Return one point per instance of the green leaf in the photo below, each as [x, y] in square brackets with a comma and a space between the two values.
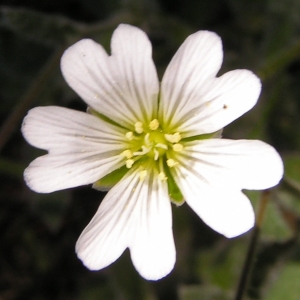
[226, 261]
[202, 292]
[287, 284]
[274, 226]
[292, 166]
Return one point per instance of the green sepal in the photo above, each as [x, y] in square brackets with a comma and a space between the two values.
[214, 135]
[173, 189]
[102, 117]
[111, 179]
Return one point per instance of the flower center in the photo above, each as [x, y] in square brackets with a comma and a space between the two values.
[149, 143]
[156, 144]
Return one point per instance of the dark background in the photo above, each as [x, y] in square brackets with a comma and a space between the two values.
[39, 232]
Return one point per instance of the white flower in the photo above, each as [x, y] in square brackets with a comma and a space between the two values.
[151, 144]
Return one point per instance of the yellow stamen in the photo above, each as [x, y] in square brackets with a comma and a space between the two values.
[177, 147]
[162, 176]
[146, 139]
[129, 135]
[156, 154]
[129, 163]
[154, 124]
[173, 138]
[160, 145]
[138, 127]
[127, 153]
[142, 152]
[171, 163]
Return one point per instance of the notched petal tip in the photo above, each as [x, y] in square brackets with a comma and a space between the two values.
[208, 38]
[120, 86]
[129, 28]
[30, 182]
[80, 50]
[90, 258]
[236, 220]
[156, 273]
[273, 166]
[125, 31]
[26, 131]
[244, 226]
[223, 208]
[79, 46]
[99, 245]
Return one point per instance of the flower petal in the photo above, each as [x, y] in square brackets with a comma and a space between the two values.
[225, 99]
[245, 164]
[82, 148]
[194, 65]
[134, 214]
[152, 249]
[123, 86]
[193, 101]
[224, 210]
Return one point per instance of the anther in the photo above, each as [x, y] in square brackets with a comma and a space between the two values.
[162, 176]
[160, 145]
[127, 153]
[173, 138]
[138, 127]
[143, 151]
[129, 163]
[154, 124]
[177, 147]
[129, 135]
[171, 163]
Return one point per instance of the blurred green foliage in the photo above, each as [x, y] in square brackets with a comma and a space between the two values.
[39, 232]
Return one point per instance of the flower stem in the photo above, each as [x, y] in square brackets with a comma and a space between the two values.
[247, 268]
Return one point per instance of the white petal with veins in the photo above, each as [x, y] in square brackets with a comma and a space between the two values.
[244, 164]
[124, 86]
[193, 100]
[193, 67]
[134, 214]
[226, 210]
[82, 148]
[227, 98]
